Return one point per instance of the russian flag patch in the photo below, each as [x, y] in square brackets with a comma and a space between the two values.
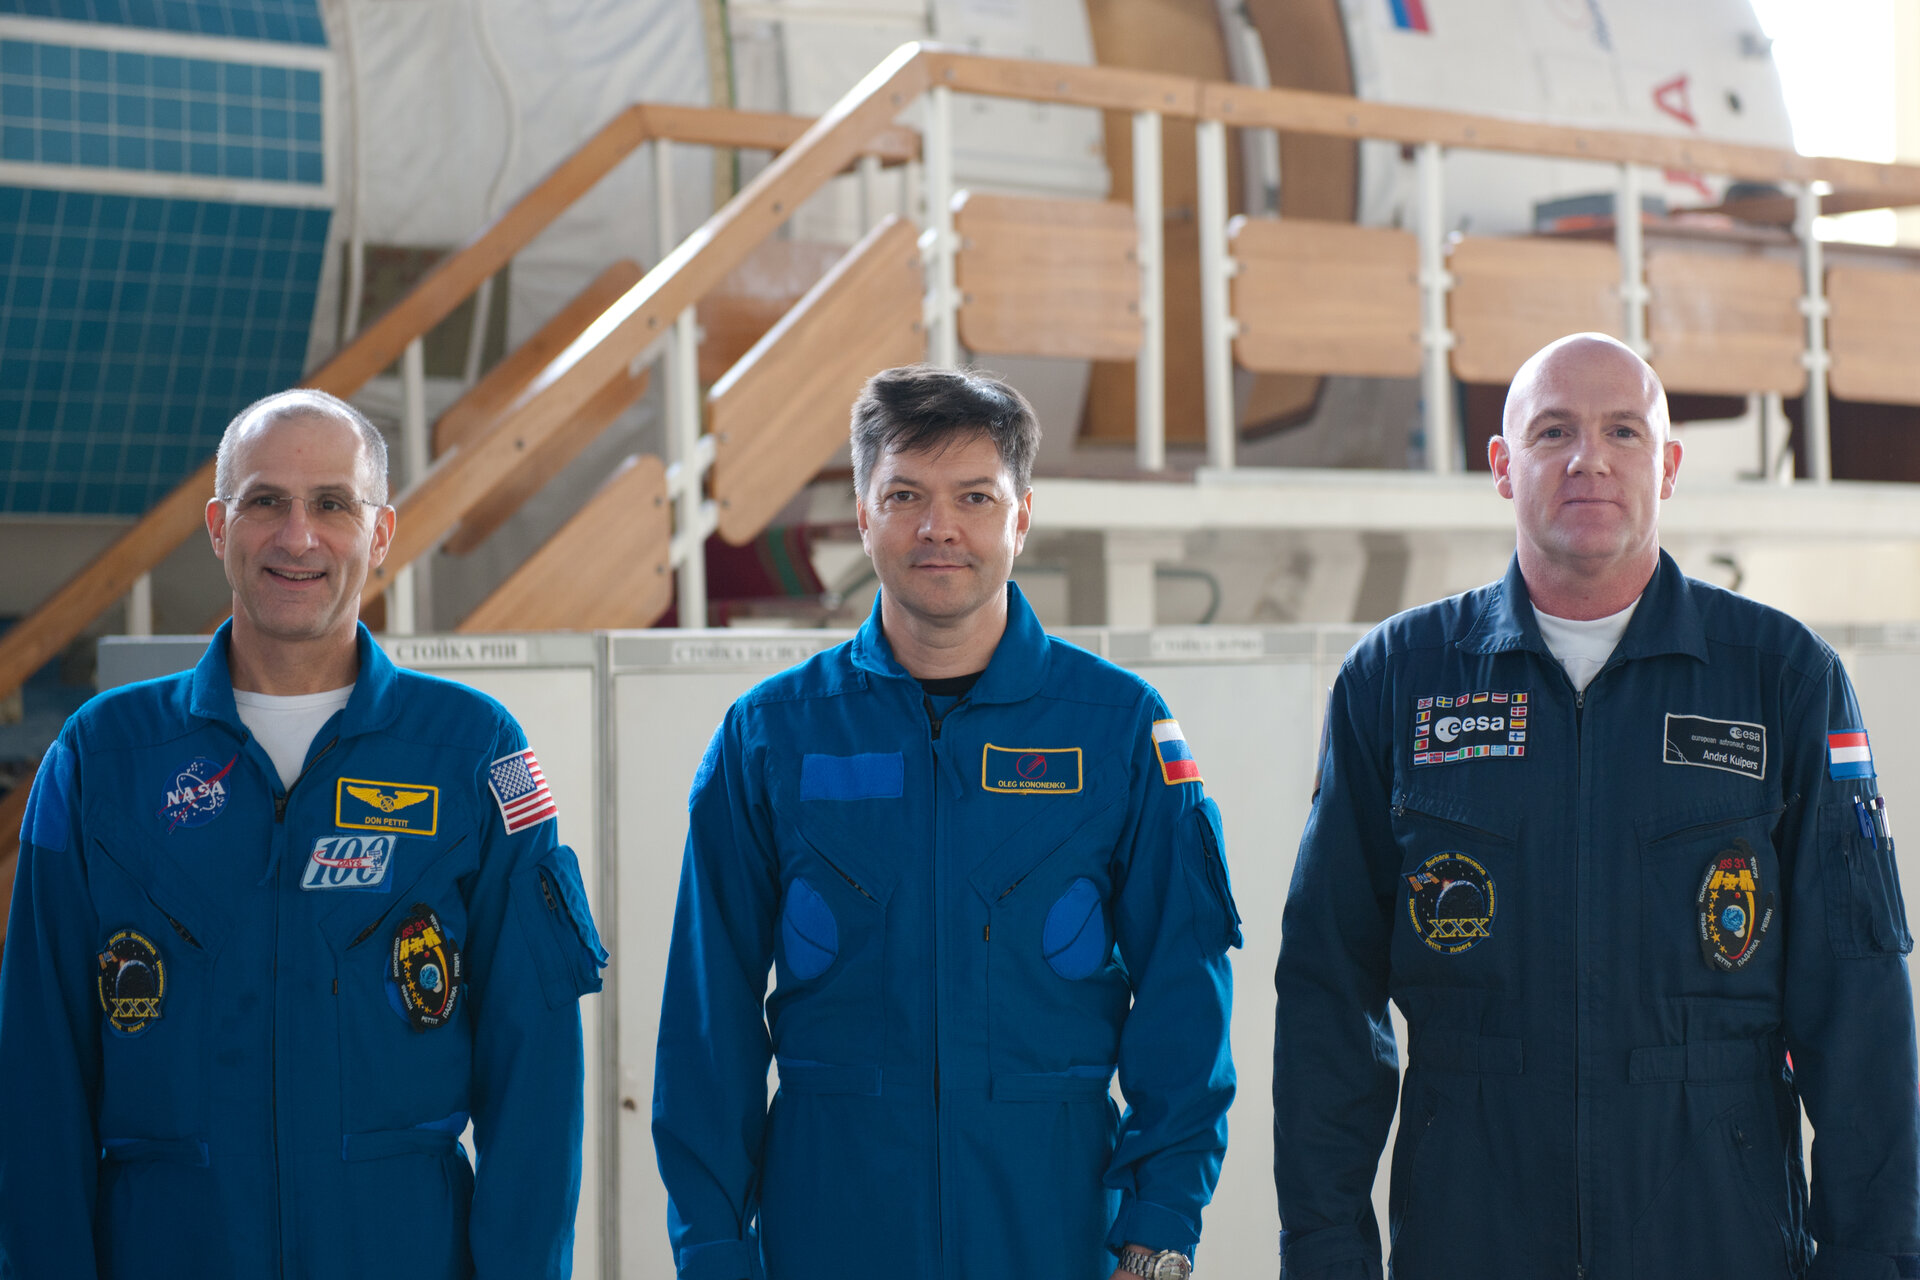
[1848, 755]
[1176, 758]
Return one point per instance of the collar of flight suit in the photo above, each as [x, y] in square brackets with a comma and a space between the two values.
[1017, 671]
[1667, 620]
[373, 705]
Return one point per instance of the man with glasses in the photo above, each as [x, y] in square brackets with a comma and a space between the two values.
[282, 925]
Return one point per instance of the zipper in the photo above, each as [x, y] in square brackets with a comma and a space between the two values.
[851, 882]
[939, 1113]
[1401, 810]
[1700, 827]
[273, 1043]
[181, 929]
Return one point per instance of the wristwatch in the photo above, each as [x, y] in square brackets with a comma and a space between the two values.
[1168, 1264]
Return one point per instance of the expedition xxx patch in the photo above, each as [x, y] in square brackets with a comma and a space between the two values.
[132, 981]
[1450, 901]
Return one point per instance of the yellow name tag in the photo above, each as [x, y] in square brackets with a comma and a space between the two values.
[1030, 771]
[407, 808]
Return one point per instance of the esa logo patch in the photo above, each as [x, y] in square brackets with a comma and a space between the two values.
[424, 970]
[404, 808]
[131, 980]
[197, 793]
[1734, 908]
[1450, 901]
[1030, 771]
[354, 863]
[1469, 726]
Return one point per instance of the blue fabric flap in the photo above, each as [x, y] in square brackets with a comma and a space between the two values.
[1704, 1061]
[434, 1138]
[875, 775]
[1079, 1084]
[157, 1150]
[46, 821]
[826, 1077]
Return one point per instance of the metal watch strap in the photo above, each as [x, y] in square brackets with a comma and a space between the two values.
[1151, 1265]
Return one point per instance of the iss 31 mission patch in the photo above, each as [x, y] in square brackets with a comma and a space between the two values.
[424, 970]
[1734, 908]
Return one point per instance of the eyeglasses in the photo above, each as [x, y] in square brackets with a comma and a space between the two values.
[335, 510]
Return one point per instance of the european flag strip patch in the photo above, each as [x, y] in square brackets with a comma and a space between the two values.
[1848, 755]
[1176, 758]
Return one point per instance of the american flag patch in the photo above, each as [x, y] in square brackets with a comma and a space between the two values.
[1176, 758]
[521, 791]
[1848, 755]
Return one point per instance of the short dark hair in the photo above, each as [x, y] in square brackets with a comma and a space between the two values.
[919, 406]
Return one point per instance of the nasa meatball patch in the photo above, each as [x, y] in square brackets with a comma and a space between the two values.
[132, 982]
[1450, 901]
[1470, 726]
[424, 971]
[1734, 908]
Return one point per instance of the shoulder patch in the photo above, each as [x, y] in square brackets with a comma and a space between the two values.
[46, 823]
[1176, 757]
[520, 790]
[1849, 755]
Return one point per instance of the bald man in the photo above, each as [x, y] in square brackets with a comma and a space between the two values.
[1610, 839]
[282, 925]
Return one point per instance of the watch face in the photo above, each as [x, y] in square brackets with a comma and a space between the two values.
[1171, 1266]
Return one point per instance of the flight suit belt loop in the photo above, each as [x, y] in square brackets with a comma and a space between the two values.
[1474, 1055]
[1704, 1061]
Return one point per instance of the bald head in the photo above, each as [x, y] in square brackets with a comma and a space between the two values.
[1581, 358]
[288, 408]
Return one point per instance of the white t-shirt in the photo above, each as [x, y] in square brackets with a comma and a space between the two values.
[285, 726]
[1583, 647]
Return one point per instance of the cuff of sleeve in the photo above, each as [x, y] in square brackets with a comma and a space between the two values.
[1152, 1226]
[1330, 1253]
[1833, 1262]
[719, 1260]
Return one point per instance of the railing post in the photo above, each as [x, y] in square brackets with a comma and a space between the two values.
[1150, 366]
[1436, 340]
[1630, 244]
[1813, 305]
[663, 237]
[1217, 325]
[683, 449]
[937, 241]
[867, 175]
[408, 599]
[140, 606]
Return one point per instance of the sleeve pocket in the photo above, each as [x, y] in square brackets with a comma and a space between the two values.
[566, 948]
[1866, 914]
[1216, 919]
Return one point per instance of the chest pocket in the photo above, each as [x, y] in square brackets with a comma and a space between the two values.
[155, 991]
[1710, 899]
[1866, 914]
[830, 947]
[1461, 892]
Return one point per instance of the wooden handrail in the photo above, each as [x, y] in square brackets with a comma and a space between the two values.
[861, 123]
[170, 522]
[646, 311]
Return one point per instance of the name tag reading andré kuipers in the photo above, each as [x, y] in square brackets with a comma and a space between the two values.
[1734, 746]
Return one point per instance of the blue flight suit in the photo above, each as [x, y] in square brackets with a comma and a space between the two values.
[1631, 931]
[242, 1026]
[971, 923]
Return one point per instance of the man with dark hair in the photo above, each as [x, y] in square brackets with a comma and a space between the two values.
[1610, 839]
[984, 870]
[282, 924]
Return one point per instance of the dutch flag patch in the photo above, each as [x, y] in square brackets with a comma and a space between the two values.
[1176, 758]
[1848, 755]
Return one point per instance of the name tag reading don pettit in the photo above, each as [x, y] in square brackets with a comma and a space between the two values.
[403, 808]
